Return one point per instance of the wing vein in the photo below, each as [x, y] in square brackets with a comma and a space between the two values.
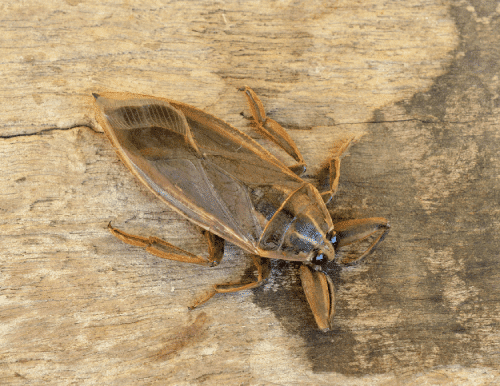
[221, 203]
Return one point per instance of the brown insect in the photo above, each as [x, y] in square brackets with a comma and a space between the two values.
[233, 188]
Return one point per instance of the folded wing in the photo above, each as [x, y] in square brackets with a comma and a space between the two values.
[206, 169]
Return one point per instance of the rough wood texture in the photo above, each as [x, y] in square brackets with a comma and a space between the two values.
[418, 78]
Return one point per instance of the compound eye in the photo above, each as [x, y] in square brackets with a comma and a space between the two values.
[319, 259]
[332, 238]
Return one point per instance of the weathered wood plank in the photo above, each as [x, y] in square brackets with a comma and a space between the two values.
[417, 83]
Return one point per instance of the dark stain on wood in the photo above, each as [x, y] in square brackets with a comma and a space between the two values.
[430, 291]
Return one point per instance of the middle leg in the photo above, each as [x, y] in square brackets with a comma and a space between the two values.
[330, 182]
[263, 269]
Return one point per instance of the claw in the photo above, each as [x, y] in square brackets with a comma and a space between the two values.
[354, 231]
[320, 294]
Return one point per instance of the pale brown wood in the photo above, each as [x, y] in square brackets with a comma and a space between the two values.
[416, 83]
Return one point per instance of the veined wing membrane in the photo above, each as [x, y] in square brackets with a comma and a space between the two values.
[206, 175]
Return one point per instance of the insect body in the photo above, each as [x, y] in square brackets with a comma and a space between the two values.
[232, 187]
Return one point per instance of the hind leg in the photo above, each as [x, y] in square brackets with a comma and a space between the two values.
[165, 250]
[273, 130]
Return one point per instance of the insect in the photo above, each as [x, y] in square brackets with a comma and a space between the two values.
[233, 188]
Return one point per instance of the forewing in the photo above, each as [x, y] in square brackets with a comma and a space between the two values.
[204, 173]
[264, 181]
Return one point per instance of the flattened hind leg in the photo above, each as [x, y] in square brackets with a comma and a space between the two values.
[273, 130]
[263, 270]
[165, 250]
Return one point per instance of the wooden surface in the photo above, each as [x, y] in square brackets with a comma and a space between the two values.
[416, 82]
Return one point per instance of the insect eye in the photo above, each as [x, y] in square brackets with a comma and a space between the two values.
[332, 237]
[319, 259]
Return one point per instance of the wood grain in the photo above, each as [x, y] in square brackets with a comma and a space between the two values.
[417, 83]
